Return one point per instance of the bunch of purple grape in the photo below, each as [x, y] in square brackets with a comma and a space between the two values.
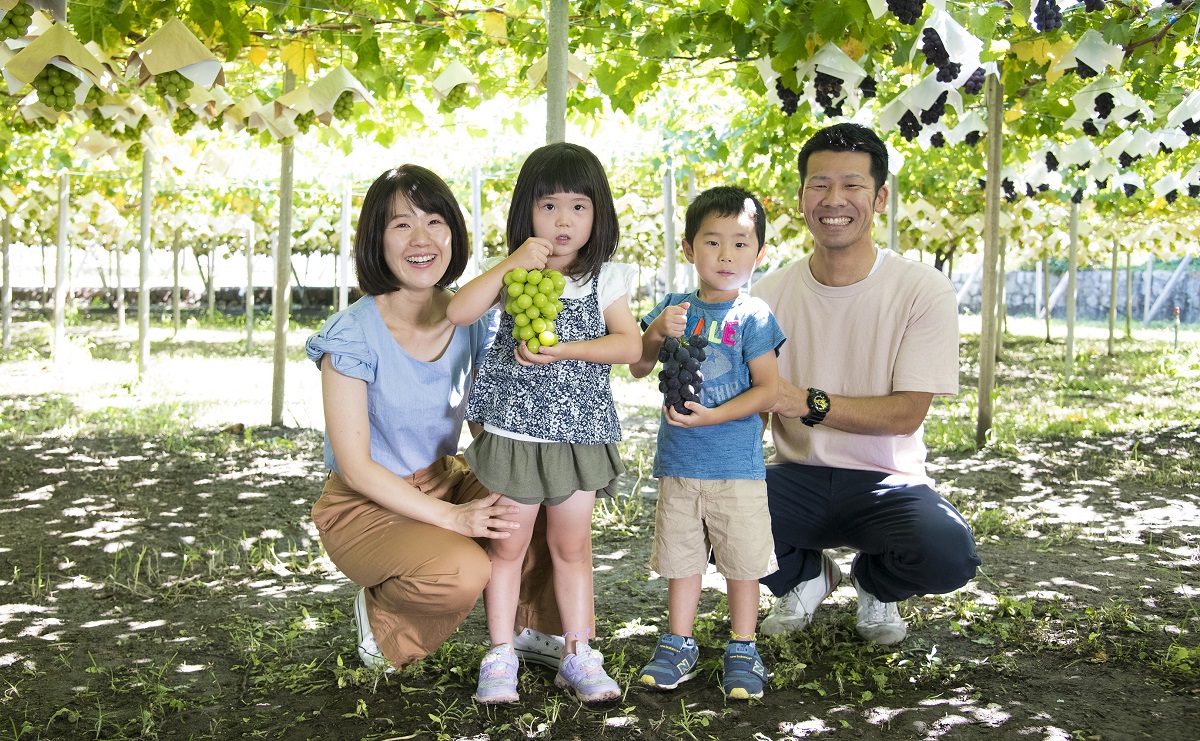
[934, 113]
[910, 127]
[1093, 6]
[974, 83]
[1104, 104]
[788, 98]
[936, 54]
[907, 12]
[1047, 16]
[1191, 127]
[681, 377]
[828, 88]
[867, 87]
[1084, 71]
[1051, 161]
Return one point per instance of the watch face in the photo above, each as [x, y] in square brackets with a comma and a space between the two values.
[818, 402]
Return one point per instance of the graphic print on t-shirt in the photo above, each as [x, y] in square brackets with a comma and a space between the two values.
[723, 341]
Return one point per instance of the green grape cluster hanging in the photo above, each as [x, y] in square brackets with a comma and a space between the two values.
[16, 22]
[173, 84]
[534, 304]
[343, 107]
[56, 88]
[185, 119]
[304, 121]
[457, 95]
[134, 152]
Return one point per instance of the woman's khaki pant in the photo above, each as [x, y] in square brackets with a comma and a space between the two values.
[422, 580]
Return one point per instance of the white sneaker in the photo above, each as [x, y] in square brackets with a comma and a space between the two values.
[534, 647]
[794, 610]
[879, 622]
[368, 649]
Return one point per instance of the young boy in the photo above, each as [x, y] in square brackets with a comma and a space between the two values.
[709, 461]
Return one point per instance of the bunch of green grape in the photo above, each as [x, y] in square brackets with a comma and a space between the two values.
[304, 121]
[533, 303]
[99, 122]
[185, 119]
[134, 152]
[216, 122]
[173, 84]
[343, 107]
[133, 133]
[56, 87]
[95, 96]
[457, 95]
[16, 22]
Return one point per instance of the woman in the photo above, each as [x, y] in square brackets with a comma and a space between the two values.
[400, 513]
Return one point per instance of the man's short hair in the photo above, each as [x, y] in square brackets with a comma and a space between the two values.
[847, 137]
[724, 200]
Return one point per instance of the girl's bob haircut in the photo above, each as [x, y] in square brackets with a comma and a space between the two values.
[425, 191]
[566, 168]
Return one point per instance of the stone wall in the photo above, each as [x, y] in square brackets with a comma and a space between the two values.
[1093, 288]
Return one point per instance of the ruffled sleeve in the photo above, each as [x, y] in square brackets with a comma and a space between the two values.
[616, 280]
[343, 340]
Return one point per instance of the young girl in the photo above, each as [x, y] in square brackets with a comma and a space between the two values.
[549, 424]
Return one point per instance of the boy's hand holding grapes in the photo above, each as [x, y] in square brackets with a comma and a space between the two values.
[672, 322]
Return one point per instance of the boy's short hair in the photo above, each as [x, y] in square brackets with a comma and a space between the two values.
[426, 191]
[847, 137]
[725, 200]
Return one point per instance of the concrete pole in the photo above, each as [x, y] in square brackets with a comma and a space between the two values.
[344, 247]
[893, 213]
[669, 246]
[6, 294]
[476, 220]
[120, 282]
[991, 248]
[175, 313]
[1147, 290]
[250, 288]
[144, 266]
[1129, 295]
[60, 264]
[1112, 299]
[556, 71]
[283, 269]
[1072, 269]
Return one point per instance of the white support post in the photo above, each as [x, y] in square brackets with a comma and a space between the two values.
[60, 265]
[120, 283]
[689, 281]
[249, 287]
[6, 295]
[1071, 277]
[669, 226]
[1166, 291]
[343, 258]
[1147, 290]
[144, 266]
[176, 246]
[557, 53]
[476, 221]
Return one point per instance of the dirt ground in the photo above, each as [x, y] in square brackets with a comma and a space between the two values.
[160, 578]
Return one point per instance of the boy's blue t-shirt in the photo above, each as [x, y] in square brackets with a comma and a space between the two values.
[738, 331]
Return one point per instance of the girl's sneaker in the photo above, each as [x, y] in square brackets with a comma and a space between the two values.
[674, 661]
[744, 673]
[497, 676]
[583, 673]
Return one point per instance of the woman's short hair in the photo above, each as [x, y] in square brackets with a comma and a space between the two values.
[425, 191]
[566, 168]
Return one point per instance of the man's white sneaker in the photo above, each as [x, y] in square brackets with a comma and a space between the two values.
[368, 649]
[794, 610]
[879, 622]
[534, 647]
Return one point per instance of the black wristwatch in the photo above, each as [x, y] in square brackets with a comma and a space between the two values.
[818, 407]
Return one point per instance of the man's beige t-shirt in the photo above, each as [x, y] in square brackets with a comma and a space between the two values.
[895, 330]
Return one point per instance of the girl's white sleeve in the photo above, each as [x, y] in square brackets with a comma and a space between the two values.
[616, 280]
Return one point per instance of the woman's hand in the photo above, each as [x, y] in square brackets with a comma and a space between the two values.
[483, 518]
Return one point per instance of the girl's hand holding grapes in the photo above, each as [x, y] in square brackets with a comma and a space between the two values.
[701, 416]
[545, 354]
[531, 255]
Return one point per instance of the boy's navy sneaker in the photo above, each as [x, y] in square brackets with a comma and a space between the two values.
[744, 673]
[674, 661]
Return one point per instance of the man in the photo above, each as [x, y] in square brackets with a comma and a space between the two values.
[873, 337]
